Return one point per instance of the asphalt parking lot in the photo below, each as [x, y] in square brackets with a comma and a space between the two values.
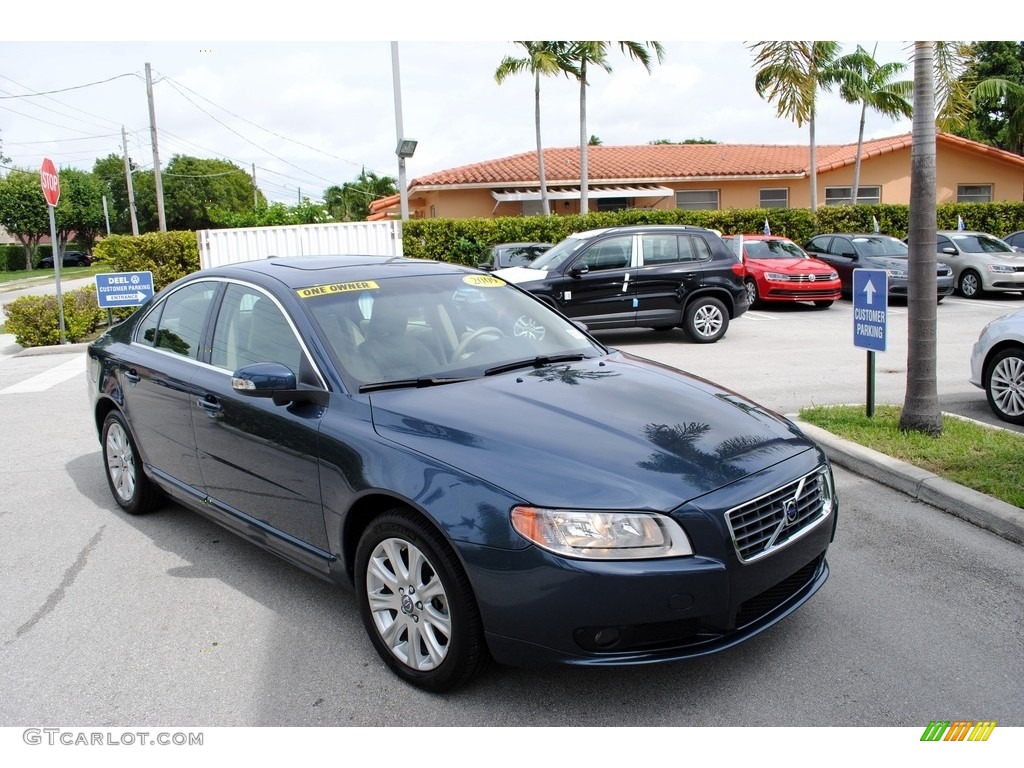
[112, 620]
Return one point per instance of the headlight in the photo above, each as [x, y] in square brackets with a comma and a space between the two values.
[897, 274]
[777, 276]
[833, 276]
[1002, 269]
[601, 535]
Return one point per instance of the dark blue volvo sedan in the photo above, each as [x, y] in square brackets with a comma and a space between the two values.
[490, 480]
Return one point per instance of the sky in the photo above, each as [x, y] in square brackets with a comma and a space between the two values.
[304, 113]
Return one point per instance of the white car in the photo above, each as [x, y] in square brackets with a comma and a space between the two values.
[981, 262]
[997, 366]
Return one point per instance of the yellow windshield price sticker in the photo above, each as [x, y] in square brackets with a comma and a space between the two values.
[324, 290]
[483, 281]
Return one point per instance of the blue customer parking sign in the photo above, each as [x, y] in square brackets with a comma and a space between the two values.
[123, 289]
[870, 307]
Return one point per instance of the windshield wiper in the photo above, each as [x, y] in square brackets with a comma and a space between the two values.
[534, 362]
[423, 381]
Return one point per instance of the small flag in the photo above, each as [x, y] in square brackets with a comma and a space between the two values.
[767, 229]
[960, 223]
[875, 220]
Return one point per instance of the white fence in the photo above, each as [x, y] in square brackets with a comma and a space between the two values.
[218, 247]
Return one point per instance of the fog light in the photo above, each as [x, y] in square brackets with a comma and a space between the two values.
[607, 637]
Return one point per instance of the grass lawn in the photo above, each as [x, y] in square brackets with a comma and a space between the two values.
[986, 459]
[43, 275]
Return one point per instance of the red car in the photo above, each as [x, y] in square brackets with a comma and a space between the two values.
[777, 269]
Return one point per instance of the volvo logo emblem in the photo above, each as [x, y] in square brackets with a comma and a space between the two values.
[790, 510]
[407, 605]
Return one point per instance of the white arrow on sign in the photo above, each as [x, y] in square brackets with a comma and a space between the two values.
[869, 290]
[142, 297]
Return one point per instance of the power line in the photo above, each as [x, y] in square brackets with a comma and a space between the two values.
[65, 90]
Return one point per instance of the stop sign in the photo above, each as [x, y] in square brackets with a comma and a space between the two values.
[50, 180]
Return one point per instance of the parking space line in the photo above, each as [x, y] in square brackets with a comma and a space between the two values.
[51, 378]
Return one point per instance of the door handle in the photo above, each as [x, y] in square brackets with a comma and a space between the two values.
[210, 404]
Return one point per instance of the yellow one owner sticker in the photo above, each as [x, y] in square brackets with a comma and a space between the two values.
[483, 281]
[323, 290]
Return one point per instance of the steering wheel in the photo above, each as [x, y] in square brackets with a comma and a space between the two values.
[460, 350]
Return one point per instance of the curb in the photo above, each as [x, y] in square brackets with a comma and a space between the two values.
[999, 517]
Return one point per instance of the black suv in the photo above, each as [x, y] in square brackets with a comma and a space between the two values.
[652, 276]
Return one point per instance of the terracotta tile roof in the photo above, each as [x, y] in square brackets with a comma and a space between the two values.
[677, 162]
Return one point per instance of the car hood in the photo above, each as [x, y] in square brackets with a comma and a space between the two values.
[992, 258]
[789, 266]
[616, 432]
[517, 275]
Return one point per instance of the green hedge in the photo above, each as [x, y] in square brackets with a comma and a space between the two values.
[168, 255]
[465, 240]
[12, 258]
[35, 320]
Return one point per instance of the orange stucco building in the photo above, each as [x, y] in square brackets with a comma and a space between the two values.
[708, 176]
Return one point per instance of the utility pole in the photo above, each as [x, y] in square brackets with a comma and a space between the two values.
[162, 217]
[255, 200]
[128, 180]
[403, 193]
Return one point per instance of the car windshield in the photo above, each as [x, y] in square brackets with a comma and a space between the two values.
[557, 255]
[981, 244]
[772, 249]
[518, 255]
[881, 245]
[435, 329]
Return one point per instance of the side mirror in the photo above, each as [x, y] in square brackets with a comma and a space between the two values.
[950, 250]
[486, 266]
[275, 381]
[578, 269]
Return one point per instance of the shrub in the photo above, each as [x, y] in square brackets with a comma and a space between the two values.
[35, 320]
[168, 255]
[12, 258]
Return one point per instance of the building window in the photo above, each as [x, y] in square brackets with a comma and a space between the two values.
[775, 198]
[974, 193]
[841, 195]
[697, 200]
[612, 203]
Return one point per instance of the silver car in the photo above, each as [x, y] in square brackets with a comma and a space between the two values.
[997, 366]
[981, 262]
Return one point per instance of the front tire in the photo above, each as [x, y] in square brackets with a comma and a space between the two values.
[417, 605]
[130, 487]
[706, 320]
[1004, 385]
[970, 284]
[752, 297]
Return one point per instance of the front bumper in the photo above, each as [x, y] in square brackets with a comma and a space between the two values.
[591, 613]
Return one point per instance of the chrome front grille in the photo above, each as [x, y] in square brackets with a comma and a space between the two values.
[770, 522]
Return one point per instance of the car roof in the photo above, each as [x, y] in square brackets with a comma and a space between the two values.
[952, 232]
[759, 237]
[301, 271]
[640, 228]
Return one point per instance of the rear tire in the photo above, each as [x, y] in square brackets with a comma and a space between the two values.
[706, 320]
[417, 604]
[130, 487]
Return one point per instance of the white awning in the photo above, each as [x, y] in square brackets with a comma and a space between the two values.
[573, 193]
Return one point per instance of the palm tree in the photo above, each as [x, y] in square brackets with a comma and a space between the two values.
[863, 80]
[789, 73]
[921, 401]
[583, 54]
[1012, 95]
[939, 100]
[542, 58]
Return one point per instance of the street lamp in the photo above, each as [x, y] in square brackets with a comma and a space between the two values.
[406, 148]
